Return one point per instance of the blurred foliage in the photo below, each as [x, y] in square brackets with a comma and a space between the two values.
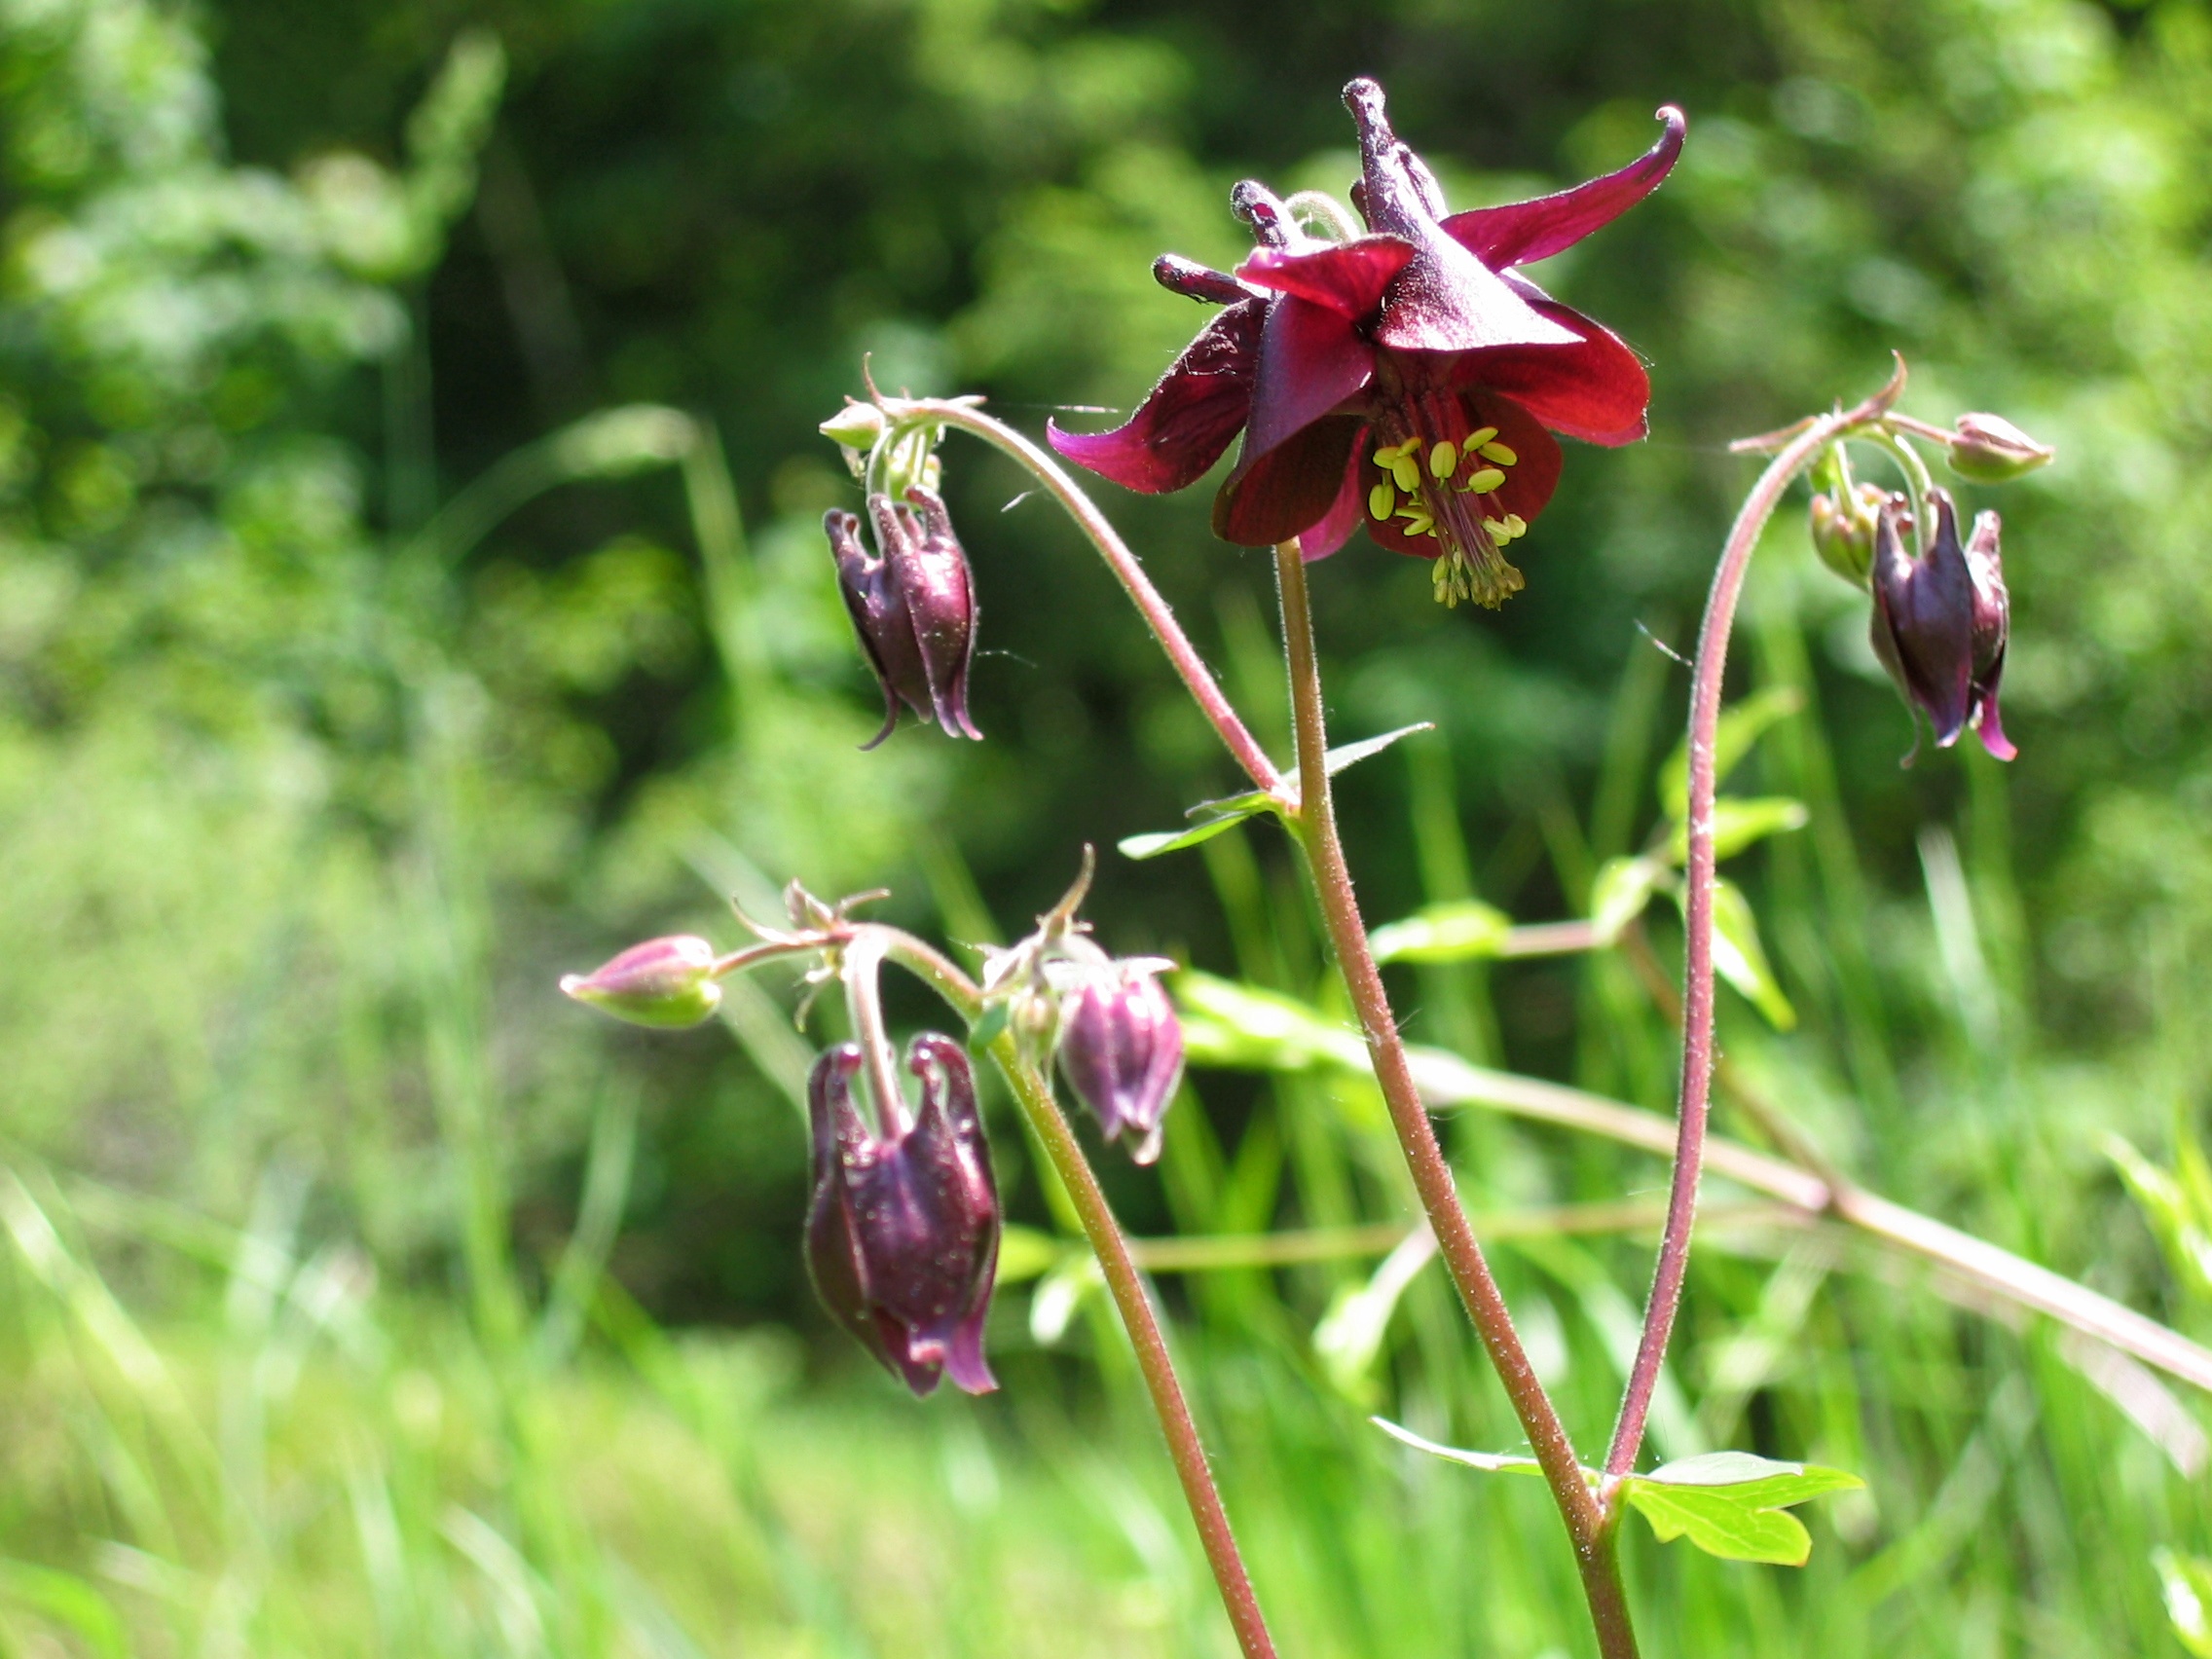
[380, 636]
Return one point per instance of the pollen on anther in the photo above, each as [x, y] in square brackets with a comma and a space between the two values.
[1484, 481]
[1380, 500]
[1497, 452]
[1476, 439]
[1444, 459]
[1517, 525]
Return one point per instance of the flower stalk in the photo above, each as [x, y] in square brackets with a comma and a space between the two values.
[1589, 1529]
[869, 945]
[1696, 1094]
[1151, 603]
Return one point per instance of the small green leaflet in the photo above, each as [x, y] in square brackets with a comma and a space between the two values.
[1741, 960]
[1244, 1027]
[1739, 728]
[1730, 1504]
[1455, 931]
[1734, 1505]
[1215, 816]
[1739, 820]
[1621, 890]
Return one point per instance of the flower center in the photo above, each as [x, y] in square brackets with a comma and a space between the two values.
[1441, 480]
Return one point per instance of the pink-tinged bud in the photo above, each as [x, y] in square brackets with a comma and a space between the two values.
[1941, 620]
[665, 982]
[1122, 1050]
[1990, 450]
[903, 1232]
[912, 604]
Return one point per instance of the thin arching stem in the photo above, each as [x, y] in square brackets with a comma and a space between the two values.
[1462, 1253]
[1158, 616]
[1696, 1097]
[1141, 1321]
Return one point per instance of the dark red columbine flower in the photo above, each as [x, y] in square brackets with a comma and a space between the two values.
[1405, 379]
[1940, 620]
[912, 604]
[903, 1232]
[1122, 1047]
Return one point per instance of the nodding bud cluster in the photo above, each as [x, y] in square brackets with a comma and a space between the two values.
[913, 605]
[1989, 449]
[903, 1232]
[1843, 528]
[1942, 619]
[665, 983]
[1122, 1050]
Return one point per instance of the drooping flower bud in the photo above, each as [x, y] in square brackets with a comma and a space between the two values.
[1122, 1050]
[903, 1232]
[665, 983]
[856, 426]
[1990, 450]
[1941, 620]
[913, 605]
[1843, 531]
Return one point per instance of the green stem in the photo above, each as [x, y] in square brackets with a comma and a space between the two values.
[1462, 1253]
[1141, 1321]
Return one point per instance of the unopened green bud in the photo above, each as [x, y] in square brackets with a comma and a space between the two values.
[665, 983]
[1990, 450]
[857, 425]
[1843, 532]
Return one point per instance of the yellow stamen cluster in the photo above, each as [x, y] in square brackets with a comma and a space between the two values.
[1462, 572]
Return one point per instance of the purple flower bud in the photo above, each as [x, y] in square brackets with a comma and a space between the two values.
[668, 982]
[1990, 450]
[903, 1234]
[1121, 1048]
[913, 607]
[1940, 620]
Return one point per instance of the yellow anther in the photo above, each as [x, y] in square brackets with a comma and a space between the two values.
[1385, 453]
[1408, 475]
[1444, 459]
[1421, 524]
[1498, 528]
[1380, 500]
[1517, 525]
[1476, 440]
[1496, 452]
[1487, 480]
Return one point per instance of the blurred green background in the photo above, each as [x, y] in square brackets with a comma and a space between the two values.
[412, 587]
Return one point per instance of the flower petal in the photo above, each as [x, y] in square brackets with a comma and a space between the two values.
[1516, 233]
[1447, 300]
[1594, 389]
[1310, 361]
[1335, 527]
[1284, 492]
[1348, 277]
[1182, 428]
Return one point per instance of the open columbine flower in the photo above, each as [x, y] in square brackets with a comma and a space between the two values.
[1406, 378]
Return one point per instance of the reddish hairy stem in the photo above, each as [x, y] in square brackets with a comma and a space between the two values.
[1142, 1323]
[1158, 616]
[1139, 1319]
[1696, 1097]
[1587, 1525]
